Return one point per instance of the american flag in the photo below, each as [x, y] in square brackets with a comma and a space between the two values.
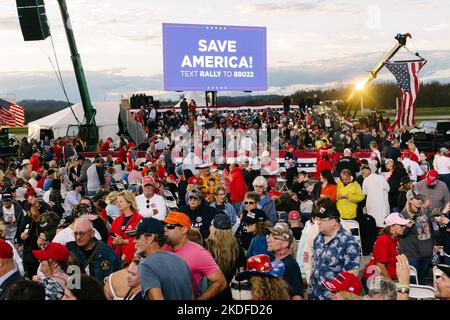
[11, 114]
[407, 77]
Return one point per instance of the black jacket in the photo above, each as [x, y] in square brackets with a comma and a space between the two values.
[4, 287]
[348, 163]
[201, 218]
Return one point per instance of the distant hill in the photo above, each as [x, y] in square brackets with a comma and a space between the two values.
[36, 109]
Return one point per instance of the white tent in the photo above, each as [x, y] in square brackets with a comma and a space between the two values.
[106, 119]
[198, 97]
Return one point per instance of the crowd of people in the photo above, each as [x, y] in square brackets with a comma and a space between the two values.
[126, 227]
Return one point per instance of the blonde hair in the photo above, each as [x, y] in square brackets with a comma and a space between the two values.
[224, 248]
[129, 198]
[111, 197]
[2, 228]
[265, 288]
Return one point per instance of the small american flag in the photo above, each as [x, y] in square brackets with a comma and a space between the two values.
[406, 73]
[11, 114]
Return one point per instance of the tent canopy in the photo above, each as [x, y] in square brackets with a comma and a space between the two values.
[106, 120]
[198, 97]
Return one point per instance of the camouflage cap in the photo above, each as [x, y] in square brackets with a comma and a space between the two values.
[48, 222]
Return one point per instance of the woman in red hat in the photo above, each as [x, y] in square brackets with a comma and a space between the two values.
[53, 264]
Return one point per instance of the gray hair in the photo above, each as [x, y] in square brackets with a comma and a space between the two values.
[384, 287]
[260, 181]
[86, 220]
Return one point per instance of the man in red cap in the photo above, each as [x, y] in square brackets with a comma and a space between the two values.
[434, 190]
[9, 273]
[151, 204]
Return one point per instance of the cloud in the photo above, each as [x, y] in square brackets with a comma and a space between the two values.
[295, 7]
[110, 83]
[437, 27]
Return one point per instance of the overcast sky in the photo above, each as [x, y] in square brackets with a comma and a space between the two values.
[310, 43]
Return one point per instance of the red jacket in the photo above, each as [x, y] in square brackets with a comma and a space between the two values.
[35, 163]
[116, 228]
[323, 165]
[238, 188]
[105, 146]
[121, 155]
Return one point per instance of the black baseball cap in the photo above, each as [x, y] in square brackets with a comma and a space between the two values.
[405, 180]
[6, 196]
[81, 157]
[444, 268]
[149, 225]
[328, 211]
[254, 216]
[221, 221]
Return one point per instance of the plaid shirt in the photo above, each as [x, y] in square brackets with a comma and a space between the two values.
[439, 196]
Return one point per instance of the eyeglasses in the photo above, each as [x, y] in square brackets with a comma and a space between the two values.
[249, 202]
[193, 198]
[259, 186]
[80, 234]
[221, 194]
[172, 226]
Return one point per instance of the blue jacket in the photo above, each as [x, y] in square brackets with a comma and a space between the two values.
[259, 246]
[229, 211]
[268, 206]
[104, 262]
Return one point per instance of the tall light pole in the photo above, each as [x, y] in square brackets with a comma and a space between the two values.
[360, 89]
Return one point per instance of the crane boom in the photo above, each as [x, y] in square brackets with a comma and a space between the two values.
[401, 41]
[89, 130]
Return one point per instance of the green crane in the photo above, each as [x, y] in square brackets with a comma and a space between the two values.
[89, 130]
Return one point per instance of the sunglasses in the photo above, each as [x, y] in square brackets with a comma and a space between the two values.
[249, 202]
[221, 194]
[172, 226]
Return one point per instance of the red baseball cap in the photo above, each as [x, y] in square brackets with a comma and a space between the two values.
[193, 180]
[294, 215]
[345, 281]
[148, 180]
[432, 177]
[53, 251]
[274, 193]
[172, 176]
[6, 251]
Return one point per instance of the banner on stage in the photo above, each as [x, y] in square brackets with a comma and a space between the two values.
[214, 58]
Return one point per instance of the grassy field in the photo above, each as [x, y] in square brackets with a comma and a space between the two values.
[435, 111]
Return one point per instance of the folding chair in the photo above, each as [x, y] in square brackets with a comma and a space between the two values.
[437, 273]
[281, 184]
[421, 292]
[168, 195]
[354, 225]
[413, 273]
[171, 205]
